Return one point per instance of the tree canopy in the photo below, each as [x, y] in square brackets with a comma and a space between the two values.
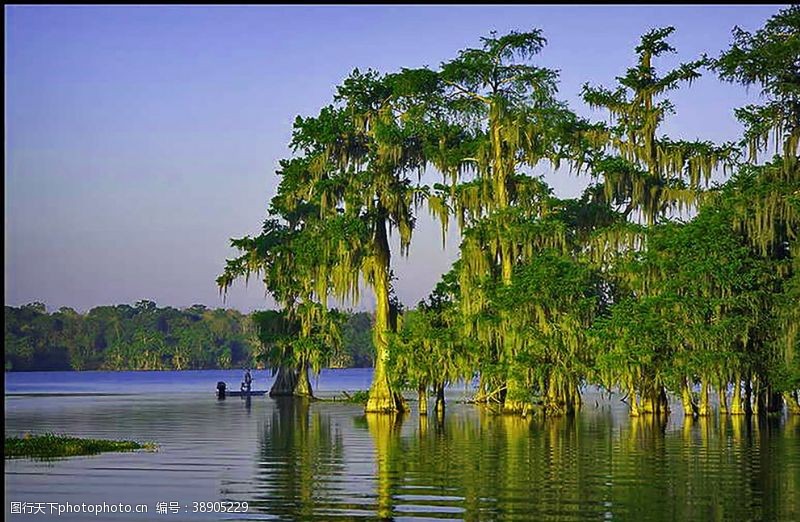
[654, 281]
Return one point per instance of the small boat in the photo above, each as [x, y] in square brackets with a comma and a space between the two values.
[239, 393]
[223, 392]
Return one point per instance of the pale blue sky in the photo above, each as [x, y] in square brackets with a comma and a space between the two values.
[139, 139]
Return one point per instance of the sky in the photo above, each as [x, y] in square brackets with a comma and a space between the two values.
[140, 139]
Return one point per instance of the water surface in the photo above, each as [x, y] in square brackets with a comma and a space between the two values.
[291, 460]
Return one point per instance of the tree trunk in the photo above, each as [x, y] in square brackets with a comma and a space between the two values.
[489, 391]
[382, 399]
[758, 400]
[704, 410]
[634, 402]
[285, 382]
[775, 401]
[507, 264]
[439, 407]
[422, 393]
[792, 402]
[303, 388]
[689, 407]
[554, 402]
[654, 400]
[648, 403]
[483, 394]
[736, 400]
[662, 401]
[722, 391]
[768, 400]
[499, 173]
[577, 401]
[516, 401]
[748, 396]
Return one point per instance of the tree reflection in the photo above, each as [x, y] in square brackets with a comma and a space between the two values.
[475, 464]
[385, 431]
[299, 454]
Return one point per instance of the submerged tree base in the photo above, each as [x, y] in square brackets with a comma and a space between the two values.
[285, 383]
[422, 397]
[382, 399]
[303, 387]
[51, 446]
[793, 402]
[392, 402]
[516, 407]
[292, 382]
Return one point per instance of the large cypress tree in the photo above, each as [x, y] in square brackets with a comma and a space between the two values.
[766, 193]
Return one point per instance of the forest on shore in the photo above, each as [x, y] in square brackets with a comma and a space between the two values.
[676, 270]
[144, 336]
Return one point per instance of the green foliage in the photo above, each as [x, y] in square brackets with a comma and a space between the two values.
[146, 337]
[428, 349]
[357, 397]
[647, 175]
[696, 306]
[764, 198]
[50, 446]
[358, 350]
[124, 337]
[611, 288]
[770, 58]
[767, 58]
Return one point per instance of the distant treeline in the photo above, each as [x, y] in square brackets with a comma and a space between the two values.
[146, 337]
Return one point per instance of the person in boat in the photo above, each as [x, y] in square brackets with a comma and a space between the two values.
[248, 380]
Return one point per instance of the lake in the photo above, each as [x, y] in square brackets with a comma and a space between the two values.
[291, 460]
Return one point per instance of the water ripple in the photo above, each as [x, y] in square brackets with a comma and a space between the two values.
[328, 461]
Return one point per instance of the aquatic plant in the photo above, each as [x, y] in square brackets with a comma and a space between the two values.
[52, 446]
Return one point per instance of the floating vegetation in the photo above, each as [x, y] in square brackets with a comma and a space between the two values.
[356, 397]
[52, 446]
